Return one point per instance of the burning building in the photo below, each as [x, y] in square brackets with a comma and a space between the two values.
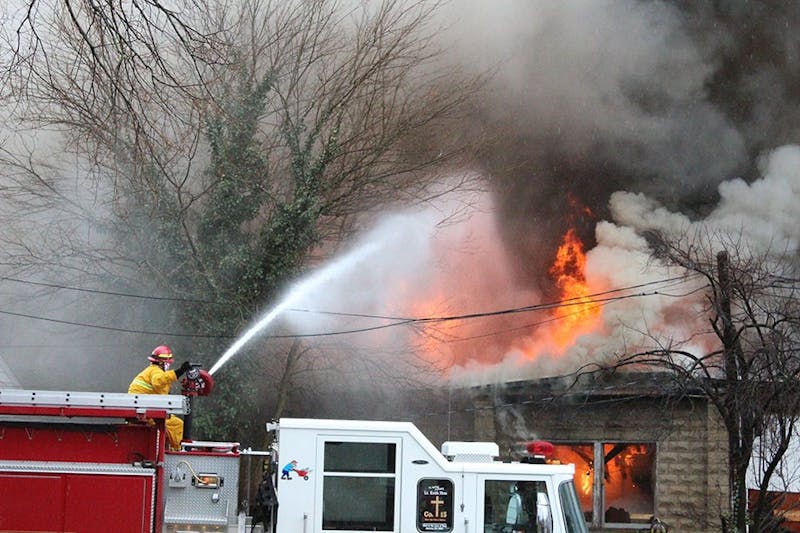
[641, 446]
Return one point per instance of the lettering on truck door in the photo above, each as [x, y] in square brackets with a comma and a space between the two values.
[435, 505]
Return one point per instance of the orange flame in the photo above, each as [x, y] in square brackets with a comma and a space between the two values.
[586, 482]
[431, 338]
[578, 314]
[456, 342]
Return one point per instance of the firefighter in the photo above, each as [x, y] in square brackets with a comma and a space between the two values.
[157, 379]
[516, 516]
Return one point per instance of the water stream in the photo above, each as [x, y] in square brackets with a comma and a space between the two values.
[296, 293]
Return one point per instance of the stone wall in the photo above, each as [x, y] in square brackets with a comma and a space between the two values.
[690, 470]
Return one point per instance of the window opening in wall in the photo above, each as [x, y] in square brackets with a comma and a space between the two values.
[628, 482]
[582, 456]
[625, 493]
[358, 491]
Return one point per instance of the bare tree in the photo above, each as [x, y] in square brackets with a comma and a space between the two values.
[751, 368]
[136, 47]
[224, 152]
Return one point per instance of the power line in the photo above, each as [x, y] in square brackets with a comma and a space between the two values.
[556, 303]
[397, 321]
[525, 326]
[108, 293]
[352, 315]
[119, 330]
[598, 304]
[569, 302]
[342, 332]
[582, 300]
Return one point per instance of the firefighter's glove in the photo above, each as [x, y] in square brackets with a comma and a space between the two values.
[183, 368]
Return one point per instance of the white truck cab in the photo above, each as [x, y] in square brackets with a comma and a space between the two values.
[348, 476]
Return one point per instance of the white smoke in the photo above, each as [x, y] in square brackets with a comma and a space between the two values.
[402, 241]
[425, 258]
[762, 214]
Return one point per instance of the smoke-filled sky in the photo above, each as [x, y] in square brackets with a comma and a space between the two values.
[650, 114]
[653, 115]
[591, 97]
[679, 104]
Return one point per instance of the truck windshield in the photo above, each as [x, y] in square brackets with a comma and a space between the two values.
[572, 509]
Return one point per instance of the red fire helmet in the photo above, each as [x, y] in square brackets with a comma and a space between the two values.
[161, 354]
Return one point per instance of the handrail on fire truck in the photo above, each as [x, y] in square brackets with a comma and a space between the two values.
[171, 403]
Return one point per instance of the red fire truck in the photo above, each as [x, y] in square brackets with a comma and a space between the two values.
[97, 462]
[91, 462]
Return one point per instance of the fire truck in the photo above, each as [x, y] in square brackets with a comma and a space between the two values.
[96, 462]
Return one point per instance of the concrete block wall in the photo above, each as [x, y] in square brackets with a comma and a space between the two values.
[690, 471]
[690, 484]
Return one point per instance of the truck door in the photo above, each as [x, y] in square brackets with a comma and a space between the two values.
[360, 489]
[515, 505]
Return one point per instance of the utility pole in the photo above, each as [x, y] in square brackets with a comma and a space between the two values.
[736, 415]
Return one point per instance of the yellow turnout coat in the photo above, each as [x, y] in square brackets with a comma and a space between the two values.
[153, 380]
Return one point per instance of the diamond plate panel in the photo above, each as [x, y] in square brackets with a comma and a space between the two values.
[187, 503]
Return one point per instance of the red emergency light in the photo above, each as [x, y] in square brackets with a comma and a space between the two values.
[539, 448]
